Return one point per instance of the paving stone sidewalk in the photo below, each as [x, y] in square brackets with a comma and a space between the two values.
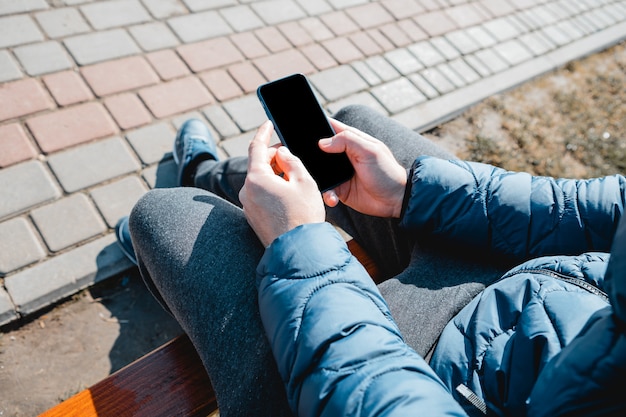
[92, 92]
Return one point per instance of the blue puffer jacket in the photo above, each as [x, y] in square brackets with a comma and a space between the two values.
[543, 340]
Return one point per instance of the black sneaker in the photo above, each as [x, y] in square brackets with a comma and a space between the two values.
[122, 232]
[194, 144]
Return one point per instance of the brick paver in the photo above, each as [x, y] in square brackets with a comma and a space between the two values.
[101, 46]
[88, 165]
[175, 97]
[120, 75]
[62, 22]
[24, 186]
[128, 111]
[71, 126]
[152, 142]
[167, 64]
[67, 222]
[9, 70]
[18, 30]
[91, 94]
[43, 58]
[67, 87]
[19, 246]
[26, 97]
[117, 199]
[14, 145]
[210, 54]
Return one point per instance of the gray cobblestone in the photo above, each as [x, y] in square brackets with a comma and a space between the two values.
[246, 112]
[338, 82]
[24, 186]
[18, 30]
[424, 86]
[9, 69]
[315, 7]
[404, 61]
[199, 26]
[556, 35]
[513, 52]
[584, 24]
[154, 36]
[91, 164]
[19, 245]
[599, 19]
[63, 22]
[75, 2]
[437, 80]
[343, 4]
[618, 11]
[65, 274]
[445, 48]
[462, 41]
[398, 95]
[477, 65]
[164, 8]
[382, 68]
[278, 11]
[7, 309]
[570, 29]
[466, 72]
[221, 122]
[198, 5]
[43, 58]
[544, 15]
[530, 19]
[101, 46]
[241, 18]
[117, 199]
[535, 42]
[559, 11]
[451, 75]
[115, 13]
[238, 146]
[152, 143]
[426, 52]
[21, 6]
[67, 222]
[502, 29]
[364, 98]
[491, 60]
[161, 175]
[366, 72]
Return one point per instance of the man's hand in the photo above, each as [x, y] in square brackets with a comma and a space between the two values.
[279, 194]
[377, 187]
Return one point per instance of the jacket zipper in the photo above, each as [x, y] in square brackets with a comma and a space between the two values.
[574, 281]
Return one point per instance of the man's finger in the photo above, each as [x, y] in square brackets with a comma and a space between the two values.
[257, 150]
[289, 164]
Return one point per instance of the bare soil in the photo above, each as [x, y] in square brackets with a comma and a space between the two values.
[569, 123]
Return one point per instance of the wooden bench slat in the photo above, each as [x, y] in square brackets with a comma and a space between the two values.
[169, 381]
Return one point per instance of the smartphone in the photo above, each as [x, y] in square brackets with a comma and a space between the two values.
[300, 122]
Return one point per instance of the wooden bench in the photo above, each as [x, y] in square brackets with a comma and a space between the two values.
[169, 381]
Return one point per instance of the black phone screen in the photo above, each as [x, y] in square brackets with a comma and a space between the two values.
[300, 123]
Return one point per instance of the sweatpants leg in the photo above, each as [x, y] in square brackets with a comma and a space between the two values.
[198, 255]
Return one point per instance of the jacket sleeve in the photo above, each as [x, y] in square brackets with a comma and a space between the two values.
[336, 346]
[482, 207]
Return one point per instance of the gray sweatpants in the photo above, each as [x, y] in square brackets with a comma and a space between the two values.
[198, 256]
